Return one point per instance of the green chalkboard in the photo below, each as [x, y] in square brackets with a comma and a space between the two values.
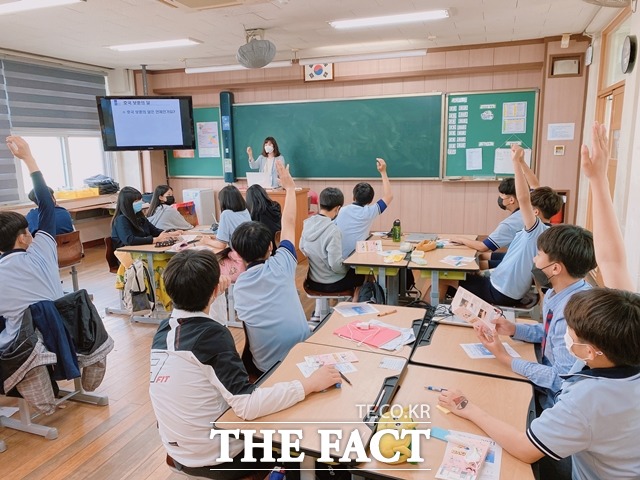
[342, 138]
[199, 166]
[479, 123]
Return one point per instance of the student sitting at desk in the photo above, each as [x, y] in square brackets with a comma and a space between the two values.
[196, 374]
[64, 223]
[511, 280]
[565, 256]
[266, 161]
[28, 264]
[264, 210]
[233, 213]
[161, 214]
[266, 298]
[321, 242]
[129, 226]
[354, 221]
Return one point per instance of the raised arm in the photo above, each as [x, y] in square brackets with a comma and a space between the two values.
[607, 237]
[387, 193]
[522, 188]
[252, 163]
[46, 207]
[289, 212]
[532, 180]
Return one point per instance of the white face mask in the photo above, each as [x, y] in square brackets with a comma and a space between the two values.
[568, 341]
[268, 148]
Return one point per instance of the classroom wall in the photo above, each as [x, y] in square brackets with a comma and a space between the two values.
[453, 207]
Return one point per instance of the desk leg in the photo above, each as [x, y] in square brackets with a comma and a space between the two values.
[308, 468]
[393, 288]
[435, 294]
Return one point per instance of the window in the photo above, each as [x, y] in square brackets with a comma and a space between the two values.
[65, 160]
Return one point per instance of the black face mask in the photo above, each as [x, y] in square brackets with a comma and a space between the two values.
[541, 277]
[501, 203]
[170, 200]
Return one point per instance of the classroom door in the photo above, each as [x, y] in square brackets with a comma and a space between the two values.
[609, 112]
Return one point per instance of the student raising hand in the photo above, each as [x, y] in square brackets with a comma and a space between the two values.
[607, 237]
[285, 177]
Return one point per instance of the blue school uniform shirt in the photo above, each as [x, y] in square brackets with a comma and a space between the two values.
[354, 221]
[267, 301]
[556, 359]
[229, 221]
[596, 421]
[513, 276]
[64, 223]
[505, 232]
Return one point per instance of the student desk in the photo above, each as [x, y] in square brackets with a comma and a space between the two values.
[404, 317]
[440, 270]
[444, 351]
[342, 408]
[509, 401]
[373, 263]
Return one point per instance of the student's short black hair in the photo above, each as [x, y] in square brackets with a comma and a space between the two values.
[363, 194]
[609, 320]
[252, 241]
[32, 195]
[547, 201]
[507, 186]
[12, 224]
[190, 278]
[331, 198]
[231, 199]
[570, 245]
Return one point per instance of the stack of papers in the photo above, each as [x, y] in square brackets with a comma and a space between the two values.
[355, 309]
[457, 260]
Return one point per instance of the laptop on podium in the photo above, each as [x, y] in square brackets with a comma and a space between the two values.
[259, 178]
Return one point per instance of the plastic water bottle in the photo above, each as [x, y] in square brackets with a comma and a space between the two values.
[278, 473]
[396, 231]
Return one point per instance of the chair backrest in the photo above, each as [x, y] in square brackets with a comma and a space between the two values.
[110, 256]
[313, 202]
[69, 249]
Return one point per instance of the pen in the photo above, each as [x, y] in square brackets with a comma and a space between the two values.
[384, 314]
[345, 378]
[435, 389]
[377, 404]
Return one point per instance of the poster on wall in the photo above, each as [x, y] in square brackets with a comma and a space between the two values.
[208, 141]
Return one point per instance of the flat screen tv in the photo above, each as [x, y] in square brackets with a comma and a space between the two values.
[146, 123]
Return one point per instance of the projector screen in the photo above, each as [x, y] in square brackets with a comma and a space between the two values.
[146, 123]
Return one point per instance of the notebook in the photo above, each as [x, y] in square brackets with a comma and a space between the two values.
[258, 178]
[418, 237]
[375, 336]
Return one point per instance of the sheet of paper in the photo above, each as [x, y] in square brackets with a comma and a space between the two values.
[474, 158]
[307, 369]
[331, 358]
[561, 131]
[188, 238]
[355, 309]
[208, 142]
[366, 246]
[492, 462]
[502, 162]
[457, 260]
[346, 367]
[392, 363]
[477, 350]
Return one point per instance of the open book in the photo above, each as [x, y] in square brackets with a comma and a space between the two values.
[473, 309]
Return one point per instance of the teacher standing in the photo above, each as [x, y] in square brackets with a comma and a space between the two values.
[266, 162]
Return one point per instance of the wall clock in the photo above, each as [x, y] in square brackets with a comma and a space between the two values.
[629, 52]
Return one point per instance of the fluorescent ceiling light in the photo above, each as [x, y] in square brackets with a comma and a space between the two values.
[233, 67]
[390, 19]
[24, 5]
[366, 56]
[180, 42]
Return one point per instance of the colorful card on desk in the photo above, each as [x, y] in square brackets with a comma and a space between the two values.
[489, 470]
[355, 309]
[363, 332]
[369, 246]
[331, 358]
[473, 309]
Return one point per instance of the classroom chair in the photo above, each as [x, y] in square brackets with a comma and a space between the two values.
[530, 306]
[109, 254]
[313, 203]
[70, 254]
[322, 301]
[3, 446]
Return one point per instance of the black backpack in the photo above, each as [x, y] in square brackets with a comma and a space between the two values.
[371, 292]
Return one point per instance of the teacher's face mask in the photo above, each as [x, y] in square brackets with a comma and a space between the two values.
[268, 148]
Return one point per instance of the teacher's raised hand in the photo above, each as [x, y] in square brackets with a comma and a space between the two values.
[250, 152]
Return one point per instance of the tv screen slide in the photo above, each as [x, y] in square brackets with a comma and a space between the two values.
[146, 123]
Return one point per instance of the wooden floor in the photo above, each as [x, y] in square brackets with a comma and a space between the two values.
[118, 441]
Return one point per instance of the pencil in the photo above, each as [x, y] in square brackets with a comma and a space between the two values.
[345, 378]
[384, 314]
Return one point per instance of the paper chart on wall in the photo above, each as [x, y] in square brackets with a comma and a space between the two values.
[208, 142]
[503, 164]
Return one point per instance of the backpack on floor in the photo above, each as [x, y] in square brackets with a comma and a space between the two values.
[371, 292]
[138, 297]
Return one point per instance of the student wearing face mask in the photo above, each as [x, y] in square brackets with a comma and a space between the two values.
[129, 225]
[162, 214]
[507, 229]
[565, 256]
[266, 161]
